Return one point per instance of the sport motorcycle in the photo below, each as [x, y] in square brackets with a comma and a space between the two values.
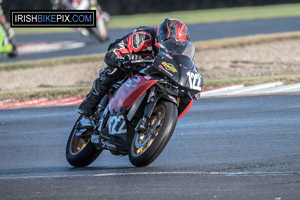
[139, 114]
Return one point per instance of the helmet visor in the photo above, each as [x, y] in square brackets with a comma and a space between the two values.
[178, 48]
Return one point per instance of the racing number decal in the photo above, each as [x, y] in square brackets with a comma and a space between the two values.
[194, 80]
[117, 125]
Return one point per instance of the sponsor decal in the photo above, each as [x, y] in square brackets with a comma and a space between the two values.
[105, 137]
[169, 67]
[128, 83]
[147, 77]
[170, 57]
[108, 145]
[195, 70]
[166, 71]
[133, 85]
[171, 97]
[136, 78]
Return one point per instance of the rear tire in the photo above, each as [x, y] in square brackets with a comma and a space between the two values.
[80, 152]
[145, 148]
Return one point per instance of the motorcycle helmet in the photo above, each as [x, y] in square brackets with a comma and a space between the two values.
[172, 29]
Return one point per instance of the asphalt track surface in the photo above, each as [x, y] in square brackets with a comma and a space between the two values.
[224, 148]
[198, 32]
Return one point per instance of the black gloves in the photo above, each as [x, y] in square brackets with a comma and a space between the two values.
[132, 57]
[124, 63]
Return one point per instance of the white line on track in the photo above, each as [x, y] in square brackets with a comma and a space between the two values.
[282, 89]
[266, 88]
[274, 173]
[256, 87]
[225, 89]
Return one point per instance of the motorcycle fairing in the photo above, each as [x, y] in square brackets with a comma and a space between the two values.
[186, 109]
[113, 134]
[129, 92]
[84, 127]
[184, 74]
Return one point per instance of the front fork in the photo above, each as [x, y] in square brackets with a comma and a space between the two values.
[151, 103]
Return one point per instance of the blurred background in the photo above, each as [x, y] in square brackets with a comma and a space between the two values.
[122, 7]
[207, 20]
[233, 39]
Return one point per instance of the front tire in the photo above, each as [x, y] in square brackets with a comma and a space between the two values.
[80, 152]
[146, 147]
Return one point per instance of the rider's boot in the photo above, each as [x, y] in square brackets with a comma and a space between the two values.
[92, 100]
[89, 105]
[108, 77]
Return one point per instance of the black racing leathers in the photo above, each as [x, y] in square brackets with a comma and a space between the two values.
[141, 42]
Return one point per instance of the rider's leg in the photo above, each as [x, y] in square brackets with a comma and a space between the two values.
[100, 87]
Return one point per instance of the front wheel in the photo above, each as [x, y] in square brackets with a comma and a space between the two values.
[80, 152]
[146, 146]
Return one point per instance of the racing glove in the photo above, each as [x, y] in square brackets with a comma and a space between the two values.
[132, 57]
[125, 62]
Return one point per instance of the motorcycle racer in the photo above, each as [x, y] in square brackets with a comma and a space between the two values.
[80, 5]
[141, 43]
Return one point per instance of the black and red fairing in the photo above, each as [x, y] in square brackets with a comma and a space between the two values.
[175, 63]
[185, 109]
[130, 91]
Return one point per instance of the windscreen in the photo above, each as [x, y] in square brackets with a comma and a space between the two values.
[178, 48]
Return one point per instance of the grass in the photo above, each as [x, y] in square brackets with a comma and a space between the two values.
[208, 15]
[201, 45]
[49, 93]
[190, 17]
[245, 40]
[56, 93]
[50, 62]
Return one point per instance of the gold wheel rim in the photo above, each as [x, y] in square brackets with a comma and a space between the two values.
[142, 141]
[78, 144]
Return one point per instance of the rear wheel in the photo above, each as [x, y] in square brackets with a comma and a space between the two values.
[80, 152]
[146, 146]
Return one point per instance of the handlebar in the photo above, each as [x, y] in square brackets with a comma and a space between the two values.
[141, 61]
[127, 64]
